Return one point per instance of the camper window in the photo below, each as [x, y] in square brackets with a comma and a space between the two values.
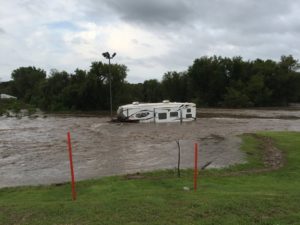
[173, 114]
[162, 116]
[188, 115]
[188, 110]
[143, 114]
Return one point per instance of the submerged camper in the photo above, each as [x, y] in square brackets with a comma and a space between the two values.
[165, 111]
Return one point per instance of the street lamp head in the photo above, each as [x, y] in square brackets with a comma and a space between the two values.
[106, 55]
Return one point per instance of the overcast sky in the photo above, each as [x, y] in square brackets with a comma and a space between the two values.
[150, 37]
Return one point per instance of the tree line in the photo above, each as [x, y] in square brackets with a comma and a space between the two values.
[210, 81]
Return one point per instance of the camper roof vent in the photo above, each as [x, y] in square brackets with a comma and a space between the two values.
[166, 101]
[135, 103]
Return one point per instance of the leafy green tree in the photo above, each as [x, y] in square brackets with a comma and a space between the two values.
[72, 92]
[6, 87]
[26, 81]
[257, 92]
[131, 93]
[118, 74]
[152, 91]
[236, 95]
[209, 81]
[208, 78]
[174, 86]
[52, 90]
[283, 81]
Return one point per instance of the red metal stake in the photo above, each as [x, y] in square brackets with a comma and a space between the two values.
[71, 167]
[196, 166]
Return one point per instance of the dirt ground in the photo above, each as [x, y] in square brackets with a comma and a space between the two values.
[34, 150]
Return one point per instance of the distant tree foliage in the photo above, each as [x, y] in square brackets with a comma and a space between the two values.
[174, 86]
[209, 81]
[217, 81]
[26, 80]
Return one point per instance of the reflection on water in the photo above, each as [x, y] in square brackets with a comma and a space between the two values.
[34, 151]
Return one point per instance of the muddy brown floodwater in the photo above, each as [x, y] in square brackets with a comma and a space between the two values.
[34, 151]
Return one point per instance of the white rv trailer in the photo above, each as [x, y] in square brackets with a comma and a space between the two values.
[157, 112]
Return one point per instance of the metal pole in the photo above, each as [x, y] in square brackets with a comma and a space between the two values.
[110, 95]
[196, 166]
[71, 167]
[107, 55]
[178, 164]
[180, 116]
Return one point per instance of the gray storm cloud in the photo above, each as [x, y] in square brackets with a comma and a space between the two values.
[251, 29]
[242, 15]
[152, 12]
[190, 29]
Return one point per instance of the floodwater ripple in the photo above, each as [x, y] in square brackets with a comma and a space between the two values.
[34, 151]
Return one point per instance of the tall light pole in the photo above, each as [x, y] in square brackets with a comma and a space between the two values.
[109, 57]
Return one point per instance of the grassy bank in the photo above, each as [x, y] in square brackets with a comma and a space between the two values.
[226, 196]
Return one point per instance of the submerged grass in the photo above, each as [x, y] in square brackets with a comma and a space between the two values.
[15, 106]
[158, 197]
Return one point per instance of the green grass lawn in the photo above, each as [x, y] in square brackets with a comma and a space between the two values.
[223, 197]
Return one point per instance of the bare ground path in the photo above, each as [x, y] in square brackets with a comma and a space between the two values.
[273, 158]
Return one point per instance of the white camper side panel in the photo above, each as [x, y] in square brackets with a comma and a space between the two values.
[174, 114]
[139, 114]
[158, 113]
